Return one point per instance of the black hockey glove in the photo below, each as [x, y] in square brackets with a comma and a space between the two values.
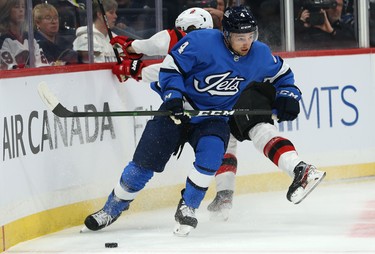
[176, 107]
[287, 108]
[286, 105]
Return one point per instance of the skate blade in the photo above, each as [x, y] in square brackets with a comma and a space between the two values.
[182, 230]
[84, 229]
[300, 194]
[222, 215]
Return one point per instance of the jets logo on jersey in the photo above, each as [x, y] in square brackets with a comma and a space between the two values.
[219, 84]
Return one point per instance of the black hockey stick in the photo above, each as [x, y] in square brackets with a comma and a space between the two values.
[58, 109]
[109, 31]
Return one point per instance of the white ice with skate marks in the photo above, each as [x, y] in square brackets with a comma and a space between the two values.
[334, 218]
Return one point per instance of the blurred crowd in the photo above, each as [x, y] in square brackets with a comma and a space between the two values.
[60, 33]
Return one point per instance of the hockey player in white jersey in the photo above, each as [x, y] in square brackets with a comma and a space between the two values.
[157, 45]
[212, 75]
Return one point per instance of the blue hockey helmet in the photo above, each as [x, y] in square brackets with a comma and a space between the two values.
[239, 19]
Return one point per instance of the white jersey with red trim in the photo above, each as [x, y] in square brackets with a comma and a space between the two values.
[157, 45]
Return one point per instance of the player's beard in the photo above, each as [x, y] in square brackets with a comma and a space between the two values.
[229, 46]
[235, 52]
[243, 53]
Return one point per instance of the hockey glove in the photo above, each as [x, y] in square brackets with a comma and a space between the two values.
[124, 42]
[286, 105]
[127, 69]
[176, 107]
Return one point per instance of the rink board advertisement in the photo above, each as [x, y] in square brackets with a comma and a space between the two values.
[46, 160]
[49, 162]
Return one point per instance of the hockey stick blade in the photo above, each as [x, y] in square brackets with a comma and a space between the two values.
[47, 96]
[58, 109]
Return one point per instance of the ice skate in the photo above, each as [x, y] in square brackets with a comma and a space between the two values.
[306, 178]
[98, 220]
[107, 215]
[221, 205]
[185, 219]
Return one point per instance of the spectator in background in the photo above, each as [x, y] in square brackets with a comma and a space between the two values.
[103, 51]
[324, 28]
[222, 4]
[217, 12]
[14, 47]
[214, 7]
[57, 50]
[72, 14]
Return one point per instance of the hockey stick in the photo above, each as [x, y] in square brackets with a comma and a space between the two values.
[109, 31]
[58, 109]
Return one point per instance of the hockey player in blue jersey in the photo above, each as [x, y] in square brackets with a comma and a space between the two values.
[207, 69]
[206, 75]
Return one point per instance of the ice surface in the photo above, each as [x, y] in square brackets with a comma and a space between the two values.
[336, 218]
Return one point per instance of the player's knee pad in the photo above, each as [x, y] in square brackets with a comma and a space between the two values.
[209, 154]
[258, 96]
[209, 127]
[133, 179]
[158, 142]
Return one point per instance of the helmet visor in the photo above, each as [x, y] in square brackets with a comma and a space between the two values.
[244, 37]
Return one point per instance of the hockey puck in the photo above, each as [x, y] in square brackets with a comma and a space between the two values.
[111, 245]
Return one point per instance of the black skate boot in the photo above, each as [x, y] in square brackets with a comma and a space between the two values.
[306, 178]
[185, 218]
[99, 220]
[220, 206]
[107, 215]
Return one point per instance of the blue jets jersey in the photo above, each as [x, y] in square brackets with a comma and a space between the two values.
[201, 68]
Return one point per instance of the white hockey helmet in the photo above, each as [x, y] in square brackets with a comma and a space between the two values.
[194, 18]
